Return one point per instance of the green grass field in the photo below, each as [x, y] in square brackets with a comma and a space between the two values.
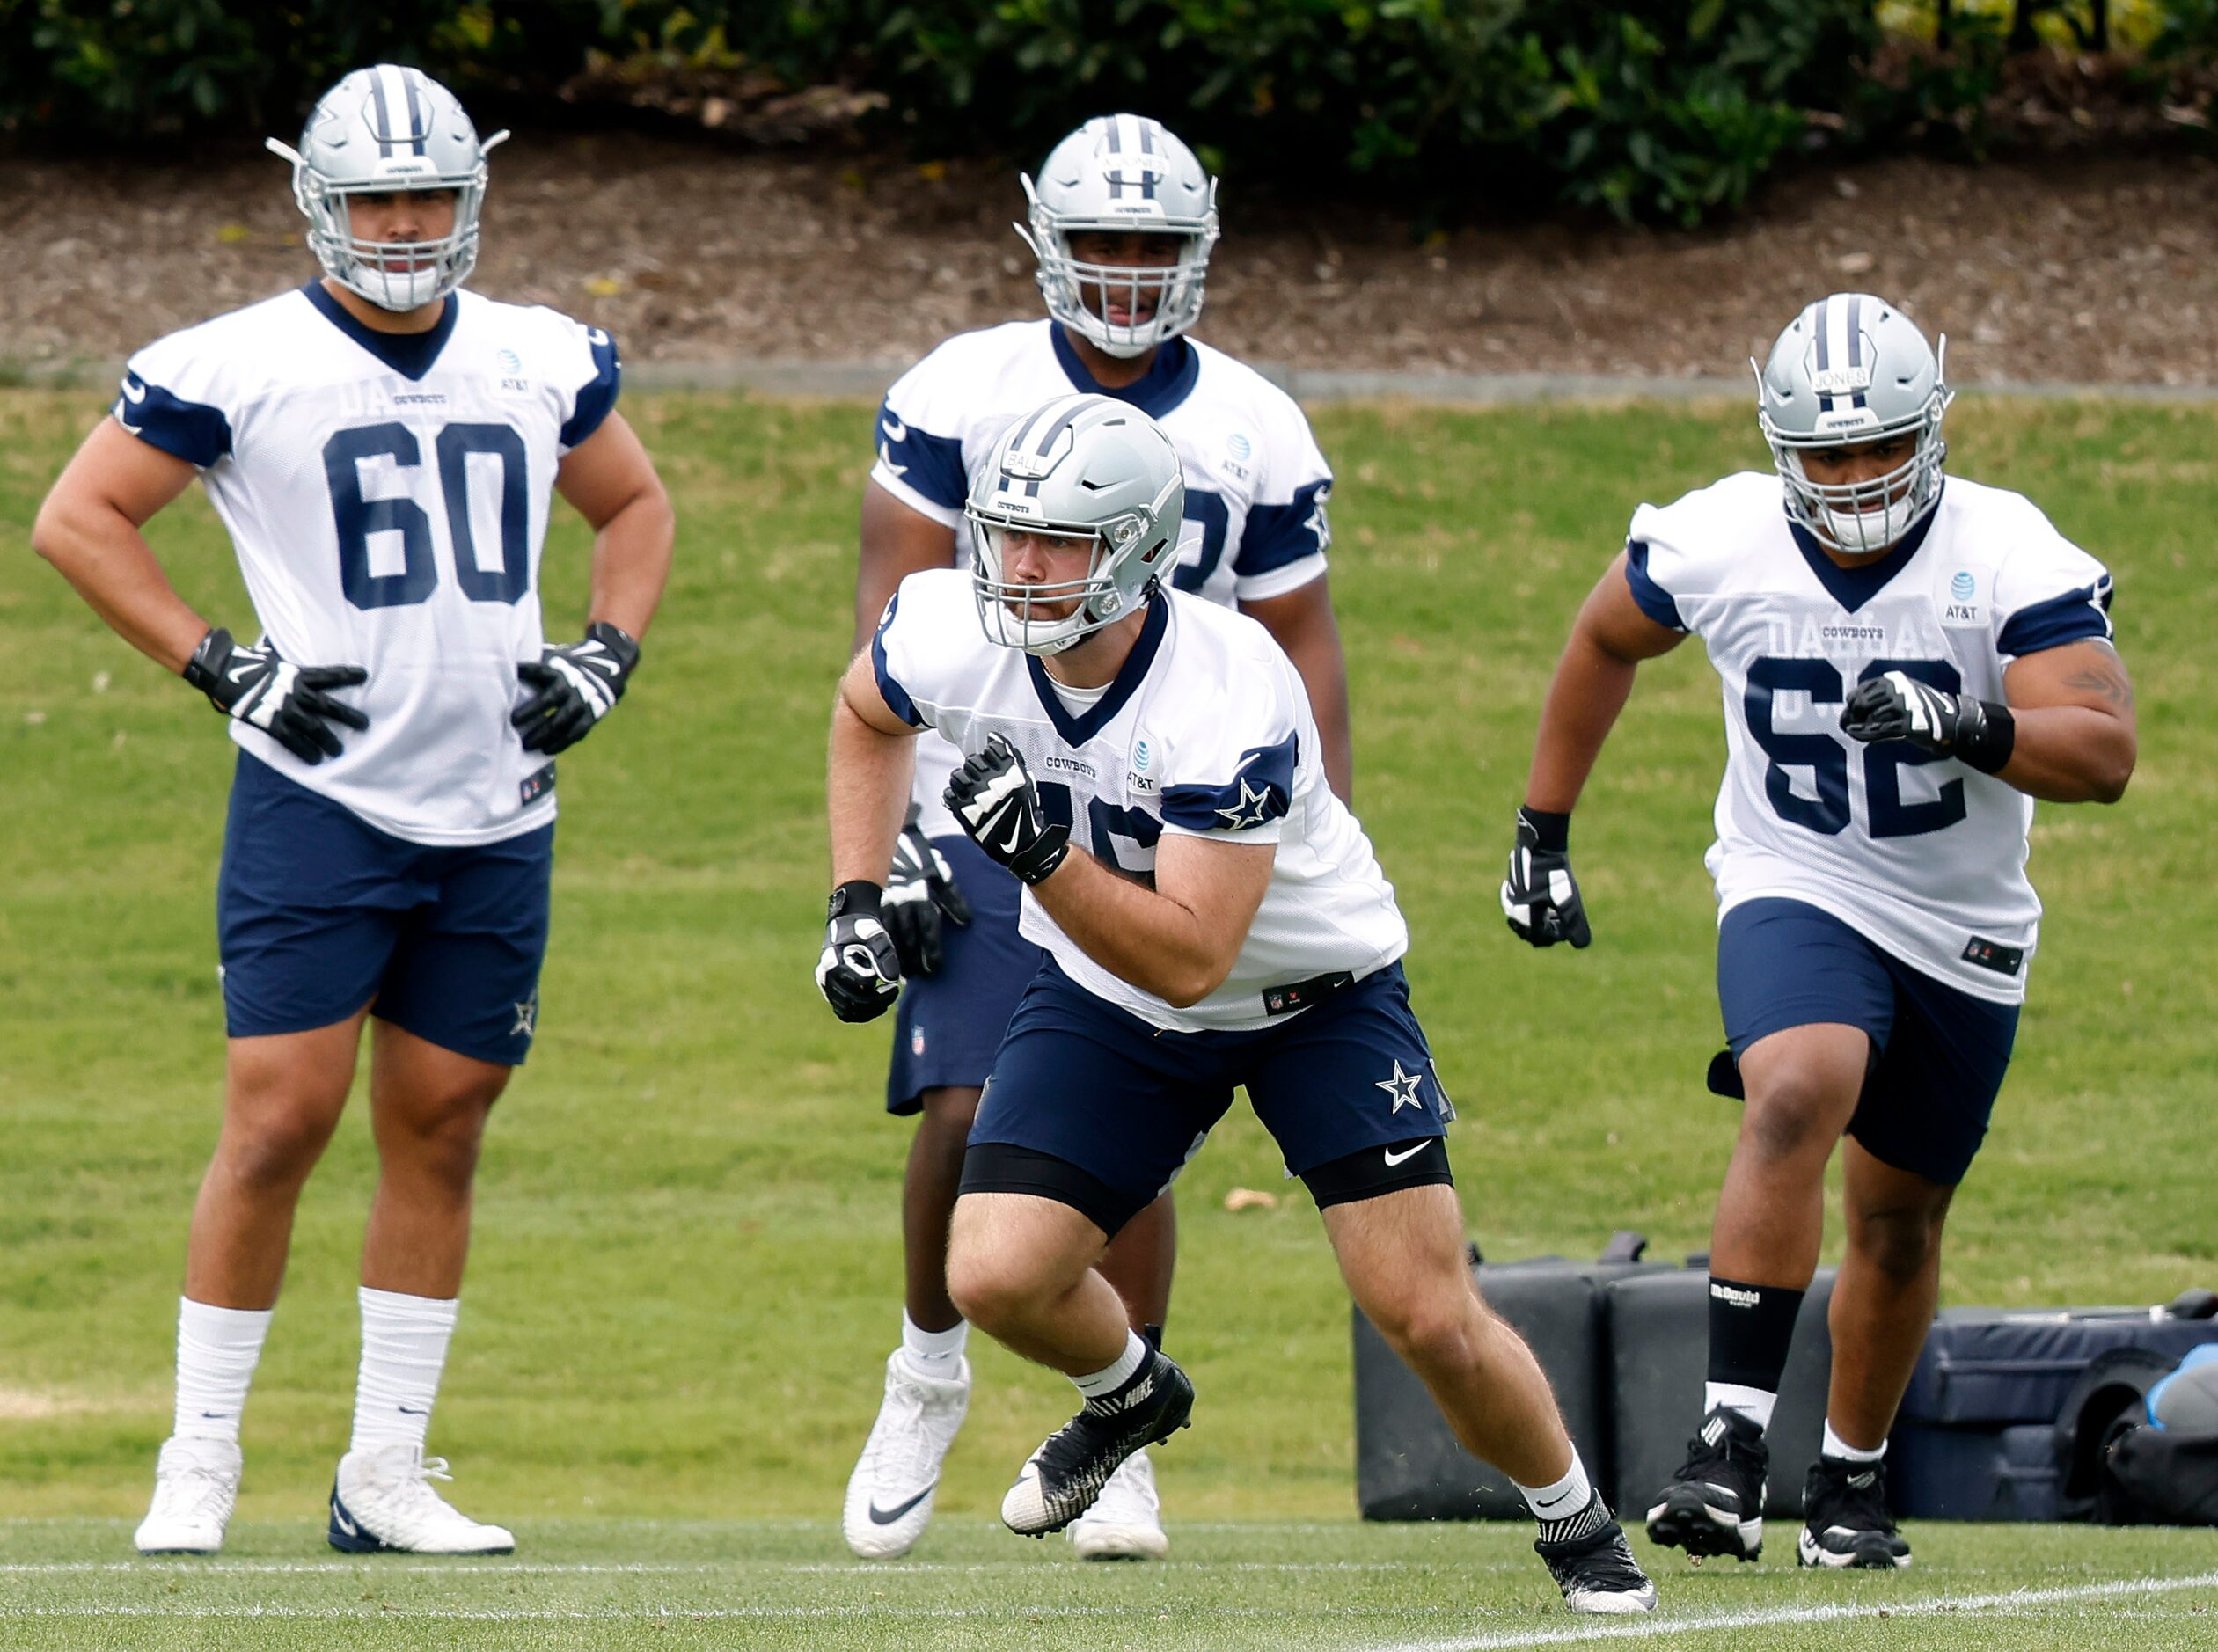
[686, 1271]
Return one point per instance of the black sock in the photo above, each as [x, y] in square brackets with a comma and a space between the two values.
[1750, 1326]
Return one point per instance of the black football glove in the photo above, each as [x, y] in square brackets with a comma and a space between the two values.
[858, 971]
[1541, 897]
[285, 701]
[578, 685]
[1895, 705]
[995, 801]
[921, 891]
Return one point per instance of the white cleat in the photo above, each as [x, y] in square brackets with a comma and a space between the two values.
[890, 1494]
[382, 1499]
[1126, 1520]
[196, 1489]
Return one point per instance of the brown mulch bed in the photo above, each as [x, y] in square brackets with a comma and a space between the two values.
[2072, 268]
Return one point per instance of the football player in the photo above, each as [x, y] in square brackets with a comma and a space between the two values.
[1147, 766]
[382, 446]
[1121, 223]
[1907, 664]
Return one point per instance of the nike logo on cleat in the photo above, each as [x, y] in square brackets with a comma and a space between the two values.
[887, 1516]
[338, 1519]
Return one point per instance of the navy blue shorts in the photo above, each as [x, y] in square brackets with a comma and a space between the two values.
[1942, 1053]
[948, 1024]
[319, 913]
[1080, 1080]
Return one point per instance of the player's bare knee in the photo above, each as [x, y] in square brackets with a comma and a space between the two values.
[1431, 1329]
[276, 1147]
[1899, 1242]
[991, 1290]
[1789, 1120]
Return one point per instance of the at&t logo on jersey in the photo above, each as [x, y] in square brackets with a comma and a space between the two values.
[1960, 610]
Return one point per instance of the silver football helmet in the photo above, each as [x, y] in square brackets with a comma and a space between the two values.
[380, 129]
[1852, 368]
[1089, 469]
[1120, 172]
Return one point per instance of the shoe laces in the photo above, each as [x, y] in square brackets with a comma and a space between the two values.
[1732, 1448]
[902, 1443]
[1609, 1567]
[191, 1491]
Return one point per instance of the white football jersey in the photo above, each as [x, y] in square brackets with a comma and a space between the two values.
[388, 497]
[1920, 854]
[1255, 482]
[1205, 731]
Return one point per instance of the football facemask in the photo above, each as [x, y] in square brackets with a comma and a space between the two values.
[1116, 174]
[385, 130]
[1850, 370]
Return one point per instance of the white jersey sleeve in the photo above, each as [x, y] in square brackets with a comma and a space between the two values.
[1282, 541]
[921, 429]
[2047, 591]
[588, 372]
[917, 671]
[182, 394]
[1232, 776]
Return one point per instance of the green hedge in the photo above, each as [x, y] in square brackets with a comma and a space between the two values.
[1670, 110]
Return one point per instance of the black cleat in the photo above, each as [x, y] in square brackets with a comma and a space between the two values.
[1715, 1505]
[1061, 1479]
[1592, 1564]
[1846, 1522]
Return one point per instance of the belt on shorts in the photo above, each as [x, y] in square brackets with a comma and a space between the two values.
[1300, 994]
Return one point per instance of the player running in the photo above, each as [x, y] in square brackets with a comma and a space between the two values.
[1147, 766]
[1906, 665]
[382, 446]
[1122, 221]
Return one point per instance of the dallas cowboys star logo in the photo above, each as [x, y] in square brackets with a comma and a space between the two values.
[1253, 808]
[527, 1018]
[1402, 1088]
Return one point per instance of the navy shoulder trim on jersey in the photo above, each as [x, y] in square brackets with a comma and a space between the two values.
[1260, 790]
[1077, 729]
[191, 430]
[1276, 534]
[2074, 616]
[931, 464]
[1168, 381]
[597, 395]
[409, 354]
[1652, 598]
[1853, 588]
[896, 697]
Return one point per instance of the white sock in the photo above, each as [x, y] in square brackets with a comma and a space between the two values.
[1750, 1402]
[1114, 1376]
[404, 1348]
[216, 1351]
[1840, 1449]
[1551, 1504]
[935, 1354]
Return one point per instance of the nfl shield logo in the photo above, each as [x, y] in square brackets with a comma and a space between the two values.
[916, 1041]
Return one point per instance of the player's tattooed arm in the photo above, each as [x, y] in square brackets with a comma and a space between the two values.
[2077, 740]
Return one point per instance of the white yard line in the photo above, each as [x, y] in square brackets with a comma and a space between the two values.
[1663, 1623]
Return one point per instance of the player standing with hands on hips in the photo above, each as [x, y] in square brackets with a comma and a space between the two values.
[1146, 764]
[1906, 665]
[1121, 223]
[382, 447]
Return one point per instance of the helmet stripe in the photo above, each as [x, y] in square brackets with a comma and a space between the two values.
[418, 113]
[381, 121]
[1855, 341]
[1818, 326]
[1147, 136]
[1078, 405]
[1113, 147]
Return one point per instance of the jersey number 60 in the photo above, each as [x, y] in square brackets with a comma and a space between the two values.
[357, 518]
